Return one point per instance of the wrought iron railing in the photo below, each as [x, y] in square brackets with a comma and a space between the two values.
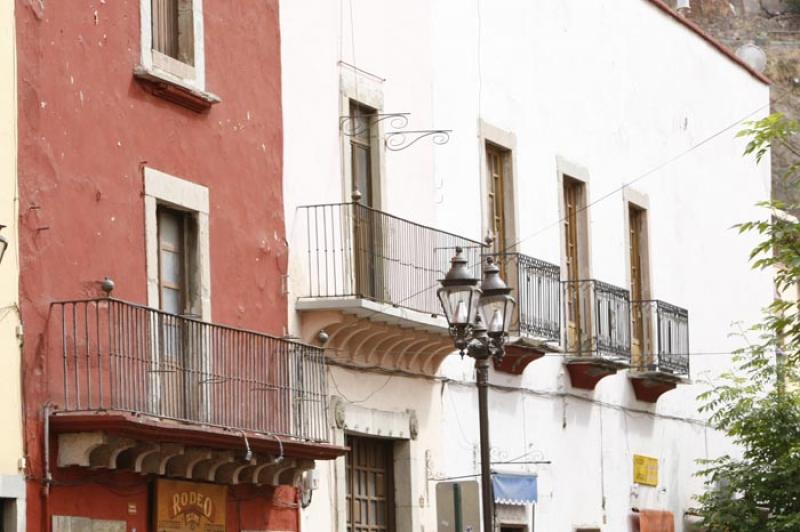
[597, 320]
[356, 251]
[125, 357]
[537, 289]
[660, 337]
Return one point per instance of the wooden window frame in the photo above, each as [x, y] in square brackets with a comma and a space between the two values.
[187, 251]
[639, 285]
[370, 196]
[497, 189]
[578, 310]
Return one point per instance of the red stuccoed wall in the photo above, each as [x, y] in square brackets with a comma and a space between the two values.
[127, 497]
[87, 128]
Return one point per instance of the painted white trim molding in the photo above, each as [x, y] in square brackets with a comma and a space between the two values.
[164, 189]
[365, 89]
[160, 65]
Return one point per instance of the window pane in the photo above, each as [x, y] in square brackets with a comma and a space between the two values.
[185, 32]
[171, 269]
[171, 301]
[170, 227]
[361, 173]
[165, 27]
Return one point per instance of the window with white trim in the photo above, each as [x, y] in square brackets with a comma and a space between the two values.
[172, 40]
[177, 242]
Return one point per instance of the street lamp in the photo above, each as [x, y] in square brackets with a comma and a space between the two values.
[479, 320]
[3, 244]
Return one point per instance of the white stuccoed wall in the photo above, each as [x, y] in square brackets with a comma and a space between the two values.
[618, 88]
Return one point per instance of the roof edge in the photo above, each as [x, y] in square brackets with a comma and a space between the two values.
[660, 4]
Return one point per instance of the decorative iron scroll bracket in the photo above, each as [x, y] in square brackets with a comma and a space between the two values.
[353, 126]
[400, 140]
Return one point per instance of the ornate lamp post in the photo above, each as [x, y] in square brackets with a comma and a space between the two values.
[479, 320]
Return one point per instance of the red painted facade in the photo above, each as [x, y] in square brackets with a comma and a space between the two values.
[87, 128]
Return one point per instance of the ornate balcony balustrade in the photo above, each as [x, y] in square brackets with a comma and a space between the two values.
[597, 320]
[371, 286]
[537, 289]
[660, 337]
[359, 252]
[123, 357]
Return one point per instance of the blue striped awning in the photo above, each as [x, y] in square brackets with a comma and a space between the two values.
[516, 490]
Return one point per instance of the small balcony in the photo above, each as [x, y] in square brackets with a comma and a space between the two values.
[536, 328]
[143, 390]
[660, 348]
[371, 286]
[597, 332]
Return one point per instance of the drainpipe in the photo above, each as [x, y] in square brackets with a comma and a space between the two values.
[48, 477]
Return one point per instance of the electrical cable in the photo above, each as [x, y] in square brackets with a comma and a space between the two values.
[369, 395]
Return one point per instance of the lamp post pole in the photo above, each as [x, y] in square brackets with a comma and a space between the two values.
[479, 320]
[482, 368]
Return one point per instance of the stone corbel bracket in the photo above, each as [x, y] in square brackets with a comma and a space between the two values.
[99, 450]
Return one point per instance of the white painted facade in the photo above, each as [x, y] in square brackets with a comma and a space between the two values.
[618, 91]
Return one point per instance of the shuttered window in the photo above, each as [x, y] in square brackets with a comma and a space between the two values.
[496, 161]
[173, 29]
[578, 337]
[640, 342]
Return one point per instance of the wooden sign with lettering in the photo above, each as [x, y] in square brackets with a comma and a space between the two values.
[190, 507]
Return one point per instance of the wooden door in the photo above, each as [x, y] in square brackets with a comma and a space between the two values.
[370, 486]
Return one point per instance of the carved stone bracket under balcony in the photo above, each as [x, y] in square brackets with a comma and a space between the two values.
[100, 450]
[386, 337]
[517, 358]
[648, 386]
[586, 371]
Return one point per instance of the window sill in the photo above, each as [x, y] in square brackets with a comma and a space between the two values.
[174, 91]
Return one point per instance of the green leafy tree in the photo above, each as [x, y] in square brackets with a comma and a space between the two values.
[758, 404]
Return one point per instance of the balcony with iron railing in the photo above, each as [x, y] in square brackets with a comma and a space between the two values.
[130, 378]
[371, 285]
[597, 335]
[536, 326]
[660, 348]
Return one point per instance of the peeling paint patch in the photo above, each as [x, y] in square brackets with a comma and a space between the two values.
[37, 6]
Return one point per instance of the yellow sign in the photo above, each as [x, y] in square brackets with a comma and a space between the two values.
[645, 470]
[190, 507]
